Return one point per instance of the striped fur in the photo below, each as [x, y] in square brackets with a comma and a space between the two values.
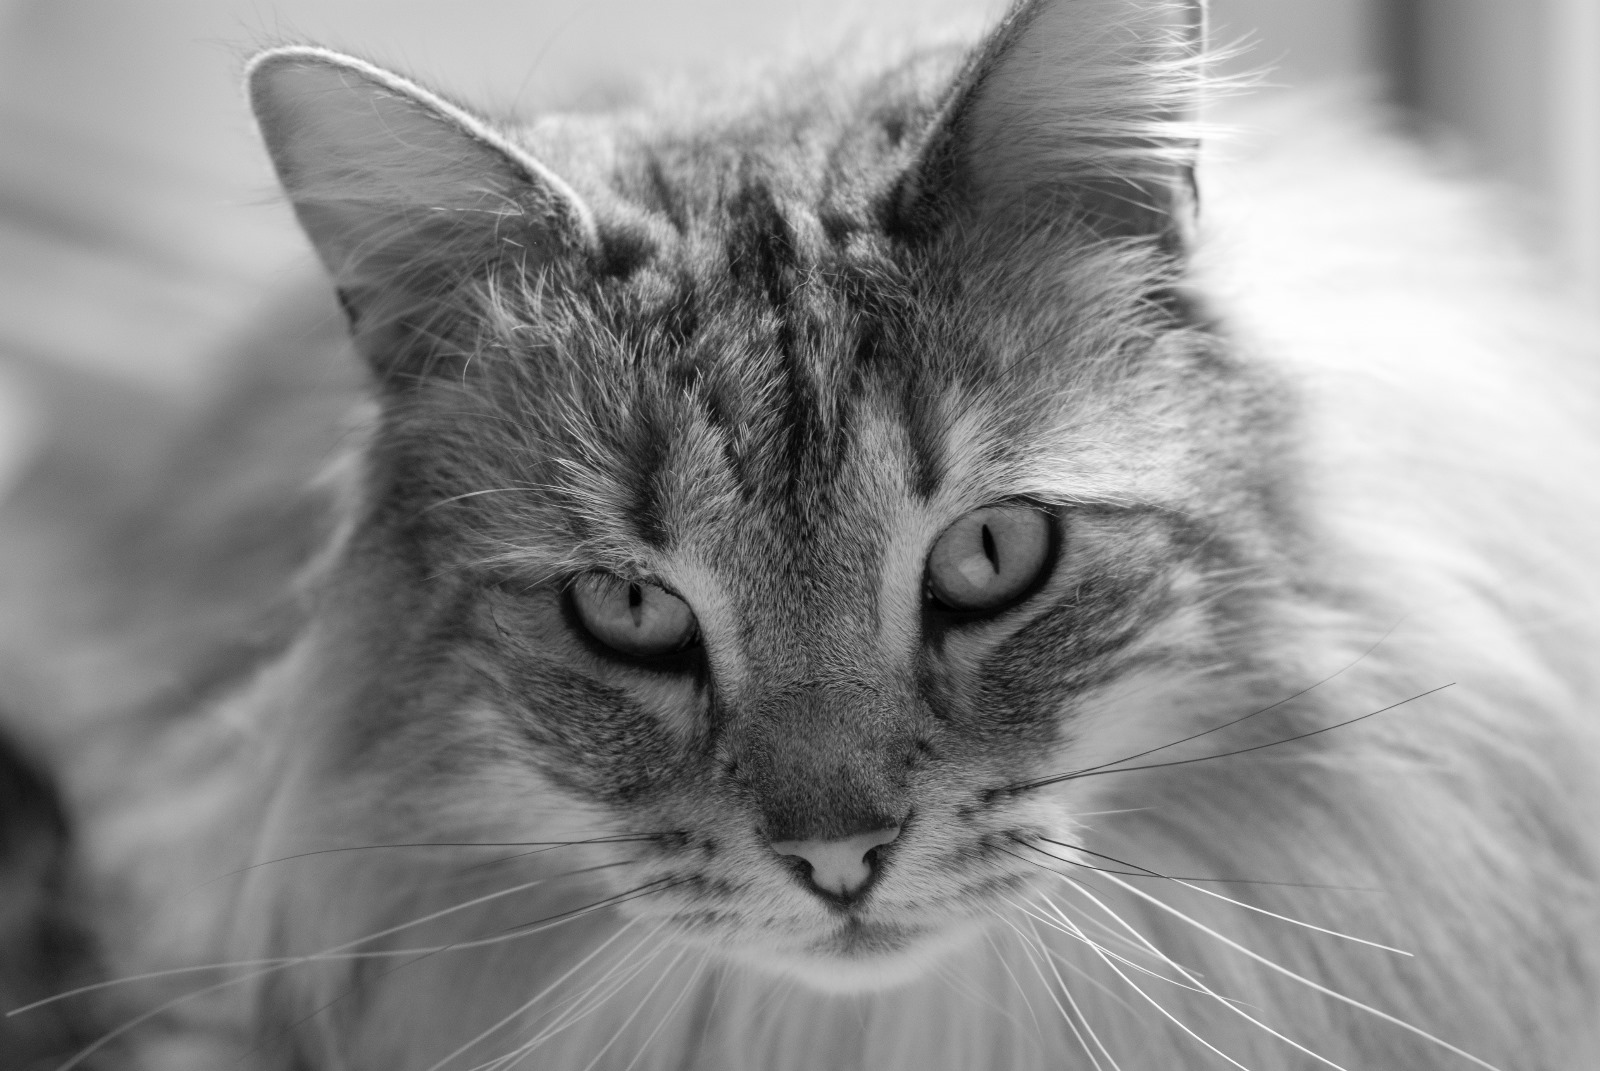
[1315, 643]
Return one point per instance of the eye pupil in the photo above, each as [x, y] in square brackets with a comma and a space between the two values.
[633, 617]
[967, 568]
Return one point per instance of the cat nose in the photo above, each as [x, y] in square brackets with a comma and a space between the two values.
[840, 867]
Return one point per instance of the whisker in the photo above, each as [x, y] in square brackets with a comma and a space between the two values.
[1066, 1016]
[538, 846]
[1082, 974]
[1254, 713]
[1286, 972]
[570, 1010]
[643, 1001]
[647, 889]
[1022, 992]
[419, 954]
[334, 954]
[578, 1006]
[1144, 872]
[672, 1010]
[1066, 992]
[704, 1011]
[1076, 932]
[522, 1008]
[1099, 771]
[1233, 1006]
[581, 1005]
[1120, 938]
[1179, 1023]
[1187, 883]
[645, 839]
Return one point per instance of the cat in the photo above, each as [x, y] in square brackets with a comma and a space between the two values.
[912, 565]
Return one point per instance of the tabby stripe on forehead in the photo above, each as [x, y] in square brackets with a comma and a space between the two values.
[928, 460]
[651, 464]
[760, 243]
[763, 257]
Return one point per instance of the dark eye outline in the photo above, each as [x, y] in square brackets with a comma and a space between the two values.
[689, 658]
[950, 616]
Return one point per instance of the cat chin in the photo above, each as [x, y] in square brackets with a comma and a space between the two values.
[843, 965]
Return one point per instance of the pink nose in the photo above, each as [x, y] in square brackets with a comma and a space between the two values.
[839, 867]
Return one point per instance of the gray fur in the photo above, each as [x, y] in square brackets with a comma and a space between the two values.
[761, 357]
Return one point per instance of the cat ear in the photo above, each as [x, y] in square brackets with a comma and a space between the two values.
[1071, 106]
[402, 193]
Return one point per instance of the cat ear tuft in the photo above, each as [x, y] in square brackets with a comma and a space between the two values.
[401, 192]
[1078, 106]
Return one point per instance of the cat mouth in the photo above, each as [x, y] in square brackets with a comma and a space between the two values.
[868, 943]
[851, 935]
[858, 938]
[863, 956]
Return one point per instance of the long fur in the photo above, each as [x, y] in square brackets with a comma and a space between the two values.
[1292, 761]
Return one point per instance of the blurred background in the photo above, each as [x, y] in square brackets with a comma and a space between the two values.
[140, 230]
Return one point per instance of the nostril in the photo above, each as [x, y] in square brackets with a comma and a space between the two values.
[841, 866]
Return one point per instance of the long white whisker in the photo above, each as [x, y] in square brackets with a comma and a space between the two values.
[580, 1005]
[1220, 896]
[1056, 959]
[1076, 932]
[1233, 1006]
[1066, 1016]
[1117, 936]
[1294, 921]
[643, 1001]
[533, 848]
[1128, 946]
[672, 1010]
[1286, 972]
[276, 961]
[522, 1008]
[1082, 974]
[1016, 982]
[1179, 1023]
[334, 954]
[574, 1008]
[704, 1016]
[146, 976]
[1066, 992]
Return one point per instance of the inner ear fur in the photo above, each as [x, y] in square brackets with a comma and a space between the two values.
[402, 193]
[1082, 108]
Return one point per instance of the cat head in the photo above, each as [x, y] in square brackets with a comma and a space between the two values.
[803, 490]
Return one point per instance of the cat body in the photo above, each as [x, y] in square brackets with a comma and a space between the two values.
[623, 696]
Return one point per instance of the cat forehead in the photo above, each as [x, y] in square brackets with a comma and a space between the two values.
[761, 355]
[759, 374]
[808, 407]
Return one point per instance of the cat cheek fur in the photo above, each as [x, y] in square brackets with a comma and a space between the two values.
[1308, 673]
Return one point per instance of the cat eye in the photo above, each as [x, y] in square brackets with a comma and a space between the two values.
[989, 558]
[633, 617]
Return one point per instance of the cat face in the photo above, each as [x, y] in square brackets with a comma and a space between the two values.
[803, 498]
